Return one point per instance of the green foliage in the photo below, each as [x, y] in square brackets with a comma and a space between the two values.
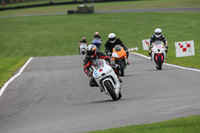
[181, 125]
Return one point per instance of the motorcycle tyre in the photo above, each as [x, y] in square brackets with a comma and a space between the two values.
[121, 69]
[159, 64]
[110, 89]
[159, 67]
[120, 95]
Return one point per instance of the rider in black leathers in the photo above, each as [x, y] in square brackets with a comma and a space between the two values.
[110, 44]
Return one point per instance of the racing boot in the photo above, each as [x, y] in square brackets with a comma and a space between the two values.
[93, 83]
[150, 55]
[128, 63]
[120, 80]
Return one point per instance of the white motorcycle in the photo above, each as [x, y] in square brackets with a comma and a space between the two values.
[158, 54]
[82, 48]
[106, 78]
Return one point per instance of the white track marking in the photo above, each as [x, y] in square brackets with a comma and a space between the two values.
[15, 76]
[167, 64]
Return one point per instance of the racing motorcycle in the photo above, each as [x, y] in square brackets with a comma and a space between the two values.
[82, 48]
[158, 54]
[106, 78]
[119, 56]
[97, 42]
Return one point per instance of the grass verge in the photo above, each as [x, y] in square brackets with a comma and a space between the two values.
[8, 66]
[105, 6]
[181, 125]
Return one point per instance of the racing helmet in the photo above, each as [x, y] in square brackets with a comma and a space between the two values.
[91, 50]
[112, 37]
[83, 39]
[158, 32]
[96, 33]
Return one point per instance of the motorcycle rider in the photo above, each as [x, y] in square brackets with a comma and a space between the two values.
[158, 36]
[96, 35]
[83, 40]
[92, 54]
[110, 44]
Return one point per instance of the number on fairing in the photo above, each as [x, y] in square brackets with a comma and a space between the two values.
[95, 73]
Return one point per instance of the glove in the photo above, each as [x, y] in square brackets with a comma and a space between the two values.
[127, 53]
[89, 74]
[166, 49]
[117, 67]
[109, 53]
[112, 62]
[150, 47]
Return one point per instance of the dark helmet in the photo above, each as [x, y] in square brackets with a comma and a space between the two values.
[112, 37]
[91, 50]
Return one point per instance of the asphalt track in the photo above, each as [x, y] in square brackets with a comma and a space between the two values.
[52, 96]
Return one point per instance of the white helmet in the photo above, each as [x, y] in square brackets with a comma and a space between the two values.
[112, 37]
[158, 32]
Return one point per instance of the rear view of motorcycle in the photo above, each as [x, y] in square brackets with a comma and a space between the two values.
[119, 56]
[158, 54]
[97, 42]
[82, 48]
[106, 78]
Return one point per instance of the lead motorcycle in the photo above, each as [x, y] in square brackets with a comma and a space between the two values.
[82, 48]
[106, 78]
[158, 54]
[119, 56]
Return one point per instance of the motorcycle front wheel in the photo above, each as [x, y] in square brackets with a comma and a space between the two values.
[121, 68]
[111, 90]
[159, 67]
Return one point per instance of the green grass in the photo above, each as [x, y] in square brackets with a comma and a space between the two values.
[108, 6]
[181, 125]
[27, 3]
[59, 34]
[123, 5]
[8, 66]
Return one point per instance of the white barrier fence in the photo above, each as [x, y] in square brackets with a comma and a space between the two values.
[185, 48]
[145, 44]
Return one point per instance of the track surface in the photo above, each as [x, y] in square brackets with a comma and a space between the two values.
[52, 96]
